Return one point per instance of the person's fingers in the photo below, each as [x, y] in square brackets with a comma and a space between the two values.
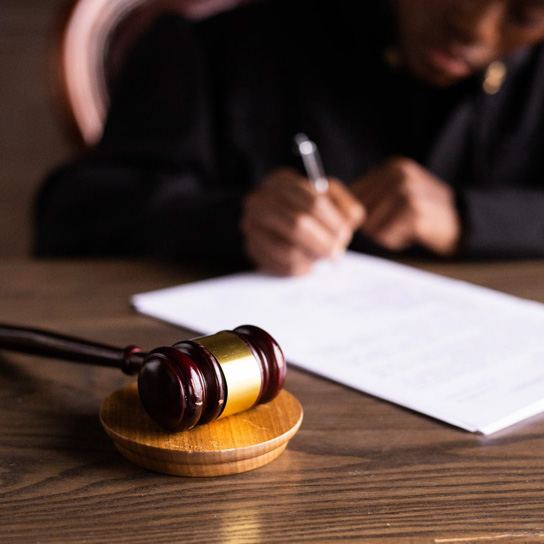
[287, 185]
[406, 204]
[287, 225]
[338, 226]
[299, 230]
[400, 222]
[439, 228]
[288, 206]
[385, 181]
[391, 224]
[371, 188]
[276, 256]
[381, 214]
[397, 233]
[346, 202]
[333, 207]
[298, 196]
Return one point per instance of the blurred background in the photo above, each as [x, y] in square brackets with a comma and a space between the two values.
[36, 131]
[32, 139]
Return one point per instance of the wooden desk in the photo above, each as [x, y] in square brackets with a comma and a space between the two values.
[359, 469]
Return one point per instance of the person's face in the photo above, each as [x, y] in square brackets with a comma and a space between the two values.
[444, 41]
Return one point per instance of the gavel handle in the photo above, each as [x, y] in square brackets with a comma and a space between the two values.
[50, 344]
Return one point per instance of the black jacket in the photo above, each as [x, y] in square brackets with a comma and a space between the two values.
[206, 109]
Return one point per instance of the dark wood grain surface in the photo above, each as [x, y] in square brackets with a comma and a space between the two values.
[360, 469]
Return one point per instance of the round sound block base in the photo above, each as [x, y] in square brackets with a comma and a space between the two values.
[237, 443]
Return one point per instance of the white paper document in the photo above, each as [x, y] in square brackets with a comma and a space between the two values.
[457, 352]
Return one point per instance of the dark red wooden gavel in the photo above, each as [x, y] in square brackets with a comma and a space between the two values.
[193, 382]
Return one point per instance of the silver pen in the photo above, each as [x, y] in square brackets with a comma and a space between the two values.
[312, 162]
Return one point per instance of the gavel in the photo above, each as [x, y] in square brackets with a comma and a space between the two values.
[192, 382]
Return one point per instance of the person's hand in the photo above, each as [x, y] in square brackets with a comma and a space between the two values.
[406, 205]
[287, 225]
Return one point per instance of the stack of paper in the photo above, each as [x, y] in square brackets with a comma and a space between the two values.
[460, 353]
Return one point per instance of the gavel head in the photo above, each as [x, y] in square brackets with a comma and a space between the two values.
[199, 380]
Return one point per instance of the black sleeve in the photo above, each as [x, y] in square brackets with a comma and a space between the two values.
[502, 222]
[503, 207]
[152, 186]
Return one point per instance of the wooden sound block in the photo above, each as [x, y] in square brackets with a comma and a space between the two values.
[237, 443]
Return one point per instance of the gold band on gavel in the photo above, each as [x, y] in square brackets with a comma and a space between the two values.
[240, 368]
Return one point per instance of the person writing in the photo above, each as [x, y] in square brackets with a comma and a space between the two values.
[428, 115]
